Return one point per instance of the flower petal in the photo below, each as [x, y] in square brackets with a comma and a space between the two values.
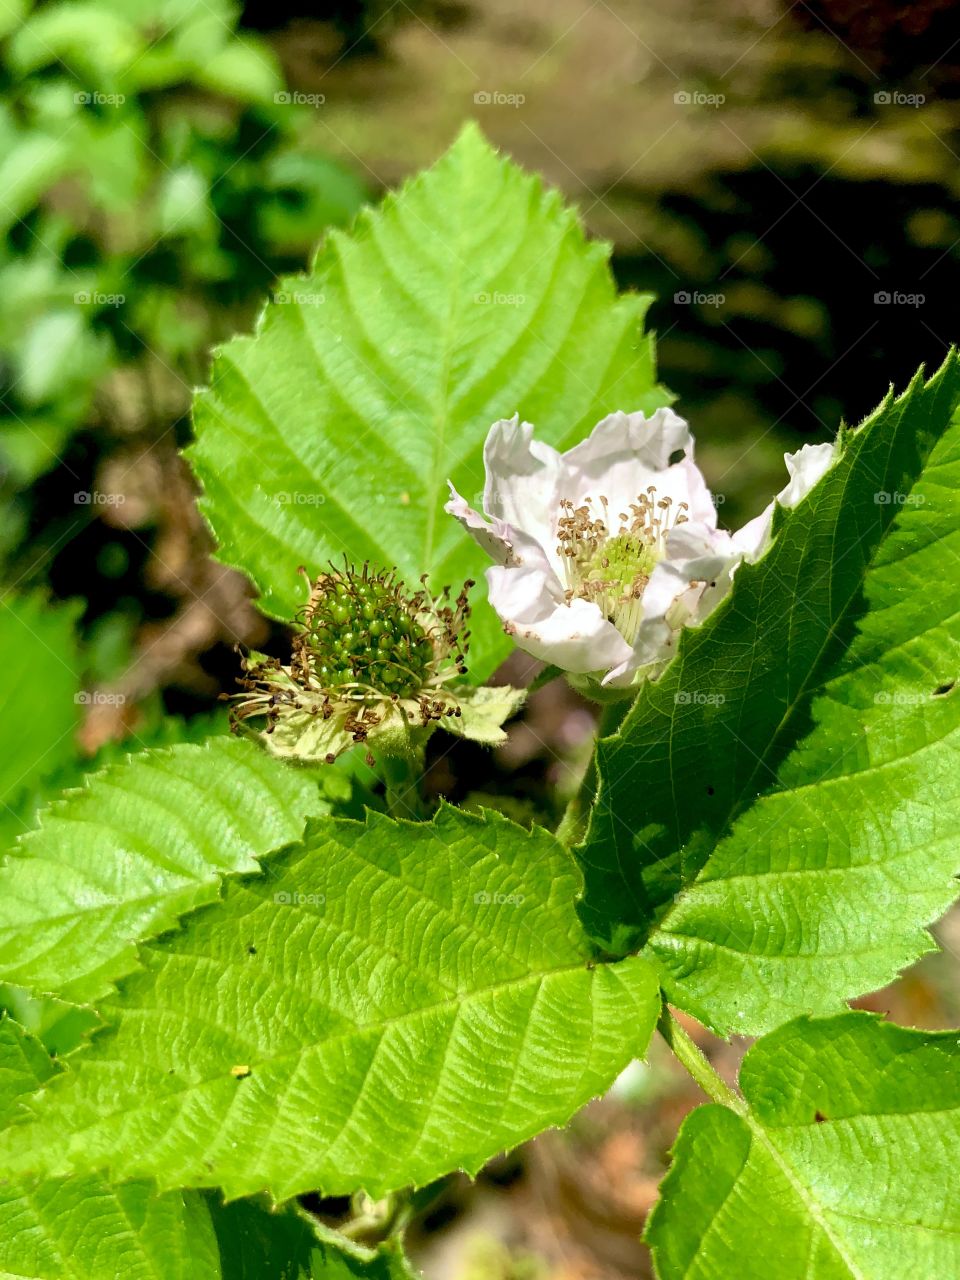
[805, 467]
[684, 482]
[522, 481]
[684, 587]
[752, 539]
[694, 553]
[699, 552]
[630, 439]
[492, 537]
[501, 542]
[574, 636]
[625, 455]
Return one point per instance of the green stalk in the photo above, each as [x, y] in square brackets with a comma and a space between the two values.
[403, 771]
[696, 1064]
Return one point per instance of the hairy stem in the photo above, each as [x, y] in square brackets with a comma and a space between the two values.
[696, 1064]
[403, 774]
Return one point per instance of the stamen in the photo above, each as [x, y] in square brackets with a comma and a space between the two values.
[612, 568]
[364, 647]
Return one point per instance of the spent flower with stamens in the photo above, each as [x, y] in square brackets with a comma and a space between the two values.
[370, 661]
[605, 552]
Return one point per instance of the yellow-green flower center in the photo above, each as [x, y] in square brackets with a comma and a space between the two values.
[611, 567]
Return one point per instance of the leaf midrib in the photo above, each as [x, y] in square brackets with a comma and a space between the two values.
[742, 803]
[300, 1052]
[816, 1210]
[803, 1193]
[442, 412]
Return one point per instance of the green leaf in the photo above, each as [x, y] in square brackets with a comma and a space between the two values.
[88, 37]
[244, 69]
[843, 1167]
[60, 1027]
[27, 169]
[287, 1244]
[24, 1067]
[257, 1243]
[81, 1228]
[469, 295]
[12, 14]
[794, 772]
[50, 342]
[392, 1002]
[39, 711]
[327, 193]
[137, 846]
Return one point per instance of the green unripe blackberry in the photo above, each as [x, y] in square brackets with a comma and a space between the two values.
[364, 631]
[370, 658]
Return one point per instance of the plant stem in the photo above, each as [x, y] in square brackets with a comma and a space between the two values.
[696, 1064]
[573, 824]
[403, 775]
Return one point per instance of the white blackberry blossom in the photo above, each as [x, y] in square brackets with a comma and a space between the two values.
[603, 553]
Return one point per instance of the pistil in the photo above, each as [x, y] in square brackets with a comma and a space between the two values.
[363, 645]
[612, 568]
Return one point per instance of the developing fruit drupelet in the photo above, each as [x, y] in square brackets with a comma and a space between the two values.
[365, 647]
[365, 630]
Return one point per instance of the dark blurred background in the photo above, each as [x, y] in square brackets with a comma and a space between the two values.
[783, 177]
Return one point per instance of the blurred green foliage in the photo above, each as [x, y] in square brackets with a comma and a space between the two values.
[154, 179]
[40, 700]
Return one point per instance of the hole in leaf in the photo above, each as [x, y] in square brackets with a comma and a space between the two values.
[943, 689]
